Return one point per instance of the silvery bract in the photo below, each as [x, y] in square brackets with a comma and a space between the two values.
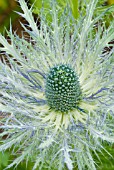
[57, 89]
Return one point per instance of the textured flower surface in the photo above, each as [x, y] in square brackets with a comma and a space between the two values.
[57, 90]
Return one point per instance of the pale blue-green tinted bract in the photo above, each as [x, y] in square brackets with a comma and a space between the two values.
[37, 128]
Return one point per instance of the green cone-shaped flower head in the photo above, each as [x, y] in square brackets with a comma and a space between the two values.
[62, 88]
[56, 92]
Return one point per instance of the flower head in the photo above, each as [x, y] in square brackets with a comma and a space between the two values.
[62, 89]
[58, 91]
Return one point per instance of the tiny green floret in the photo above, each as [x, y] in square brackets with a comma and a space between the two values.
[62, 88]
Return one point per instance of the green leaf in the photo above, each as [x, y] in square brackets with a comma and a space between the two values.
[4, 157]
[106, 161]
[74, 7]
[60, 5]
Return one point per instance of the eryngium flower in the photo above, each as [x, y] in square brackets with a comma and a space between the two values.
[57, 90]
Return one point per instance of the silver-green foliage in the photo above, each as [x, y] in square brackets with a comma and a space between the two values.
[22, 85]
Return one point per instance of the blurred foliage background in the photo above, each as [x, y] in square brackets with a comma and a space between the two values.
[8, 8]
[8, 15]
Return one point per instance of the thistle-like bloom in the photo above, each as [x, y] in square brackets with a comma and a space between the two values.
[57, 90]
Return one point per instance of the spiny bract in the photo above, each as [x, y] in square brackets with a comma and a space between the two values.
[57, 90]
